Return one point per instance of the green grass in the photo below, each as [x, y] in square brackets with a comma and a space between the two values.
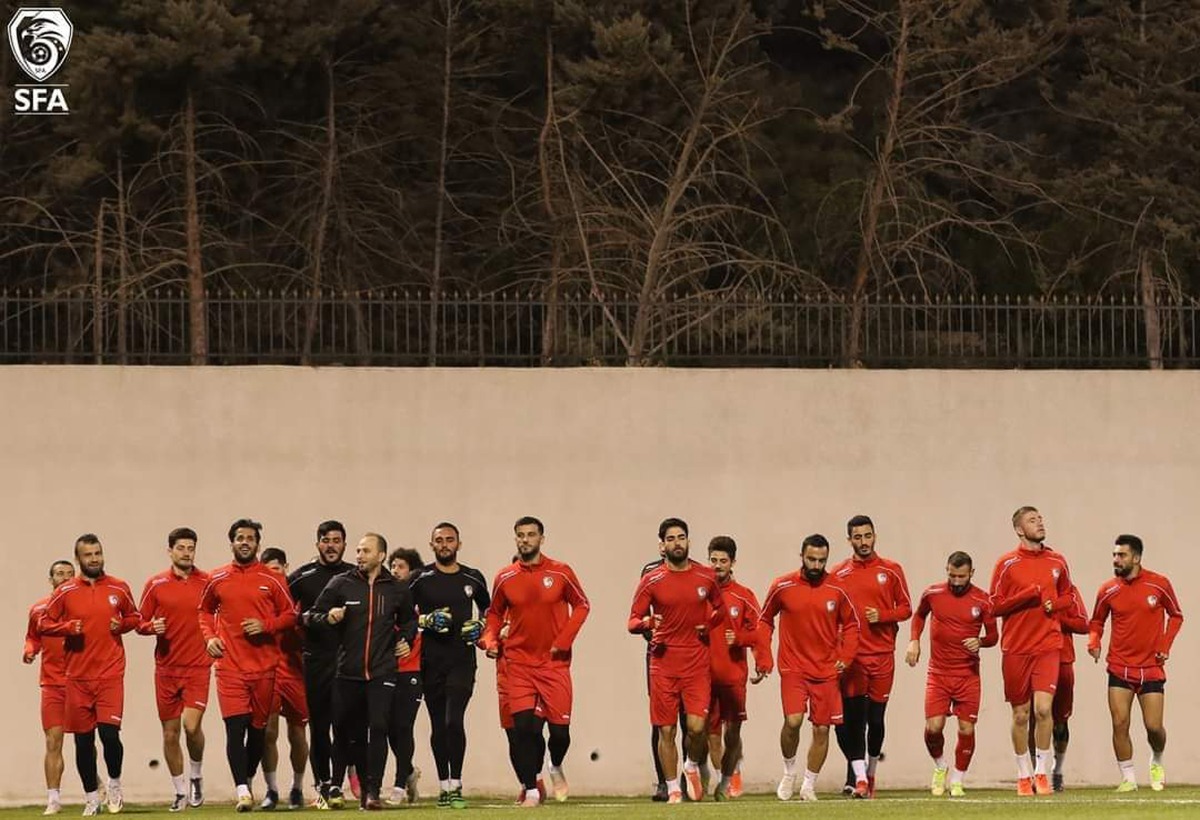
[992, 803]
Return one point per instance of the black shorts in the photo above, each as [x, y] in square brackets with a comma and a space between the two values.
[1149, 687]
[440, 680]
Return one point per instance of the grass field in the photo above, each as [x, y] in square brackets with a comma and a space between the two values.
[1078, 803]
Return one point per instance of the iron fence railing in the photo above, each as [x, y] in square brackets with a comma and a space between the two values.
[405, 328]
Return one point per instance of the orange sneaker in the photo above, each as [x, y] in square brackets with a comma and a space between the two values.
[1025, 786]
[675, 797]
[862, 791]
[695, 786]
[1041, 784]
[735, 784]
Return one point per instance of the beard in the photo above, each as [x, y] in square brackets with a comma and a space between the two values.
[814, 575]
[92, 572]
[445, 560]
[959, 590]
[249, 559]
[1122, 572]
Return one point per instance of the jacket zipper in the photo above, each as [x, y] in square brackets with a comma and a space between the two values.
[370, 620]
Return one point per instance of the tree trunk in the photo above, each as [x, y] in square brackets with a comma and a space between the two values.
[1154, 346]
[553, 295]
[321, 226]
[98, 287]
[122, 267]
[435, 271]
[197, 308]
[870, 225]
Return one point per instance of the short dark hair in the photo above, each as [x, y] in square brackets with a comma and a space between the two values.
[527, 520]
[179, 534]
[671, 522]
[380, 541]
[860, 521]
[725, 544]
[1020, 512]
[273, 554]
[814, 540]
[446, 525]
[57, 563]
[1132, 541]
[86, 538]
[408, 556]
[245, 524]
[326, 527]
[959, 559]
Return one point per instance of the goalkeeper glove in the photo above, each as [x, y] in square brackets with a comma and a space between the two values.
[471, 630]
[437, 621]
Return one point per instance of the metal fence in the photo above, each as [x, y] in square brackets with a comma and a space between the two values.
[404, 328]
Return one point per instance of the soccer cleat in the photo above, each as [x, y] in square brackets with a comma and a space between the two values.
[1158, 777]
[91, 808]
[321, 803]
[1126, 786]
[179, 803]
[410, 785]
[443, 800]
[735, 785]
[270, 800]
[1041, 784]
[244, 803]
[558, 783]
[660, 793]
[116, 800]
[937, 785]
[457, 801]
[1056, 782]
[721, 793]
[296, 798]
[871, 786]
[957, 790]
[355, 786]
[695, 786]
[807, 794]
[335, 798]
[398, 797]
[196, 792]
[1025, 786]
[862, 790]
[787, 784]
[52, 807]
[675, 797]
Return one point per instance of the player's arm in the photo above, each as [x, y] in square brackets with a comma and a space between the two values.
[147, 609]
[745, 626]
[1005, 599]
[901, 609]
[848, 620]
[913, 654]
[764, 663]
[494, 621]
[406, 616]
[483, 599]
[54, 621]
[1174, 622]
[640, 619]
[285, 616]
[129, 618]
[580, 609]
[1075, 617]
[1096, 625]
[33, 640]
[991, 635]
[330, 606]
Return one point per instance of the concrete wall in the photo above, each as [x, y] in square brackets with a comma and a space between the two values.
[939, 459]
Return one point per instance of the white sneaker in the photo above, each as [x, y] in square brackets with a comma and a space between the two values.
[787, 785]
[807, 795]
[52, 807]
[116, 800]
[91, 808]
[398, 797]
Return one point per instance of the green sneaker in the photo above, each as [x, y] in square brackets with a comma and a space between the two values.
[957, 790]
[937, 786]
[443, 800]
[1158, 777]
[1126, 786]
[457, 801]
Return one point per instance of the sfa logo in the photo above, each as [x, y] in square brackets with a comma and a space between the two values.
[40, 39]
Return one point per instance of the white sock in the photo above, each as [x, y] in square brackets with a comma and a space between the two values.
[444, 785]
[810, 780]
[114, 783]
[91, 797]
[243, 790]
[939, 762]
[872, 762]
[194, 765]
[1059, 759]
[177, 782]
[673, 785]
[53, 796]
[956, 776]
[531, 794]
[554, 769]
[789, 765]
[272, 781]
[689, 766]
[1156, 757]
[1043, 760]
[1024, 767]
[455, 784]
[1127, 772]
[860, 769]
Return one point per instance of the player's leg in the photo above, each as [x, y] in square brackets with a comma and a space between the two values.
[261, 692]
[660, 787]
[1152, 700]
[696, 692]
[297, 735]
[86, 766]
[53, 707]
[192, 720]
[1018, 692]
[935, 744]
[794, 694]
[318, 691]
[434, 685]
[406, 703]
[527, 729]
[881, 672]
[964, 750]
[825, 710]
[270, 757]
[1120, 704]
[556, 698]
[460, 685]
[1043, 680]
[172, 739]
[233, 696]
[379, 717]
[668, 756]
[350, 721]
[110, 706]
[1060, 710]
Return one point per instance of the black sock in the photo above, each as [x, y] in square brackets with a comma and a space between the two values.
[235, 747]
[560, 741]
[114, 750]
[85, 761]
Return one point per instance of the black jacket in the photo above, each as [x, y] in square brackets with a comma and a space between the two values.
[305, 584]
[377, 616]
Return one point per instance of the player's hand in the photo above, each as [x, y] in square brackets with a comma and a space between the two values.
[872, 615]
[215, 647]
[557, 654]
[913, 655]
[1162, 656]
[492, 653]
[114, 624]
[505, 631]
[702, 632]
[760, 675]
[252, 626]
[730, 637]
[77, 626]
[471, 630]
[972, 645]
[839, 667]
[438, 621]
[28, 657]
[159, 625]
[1094, 651]
[1048, 605]
[335, 615]
[403, 650]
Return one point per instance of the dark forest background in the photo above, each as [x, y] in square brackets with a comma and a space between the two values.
[663, 149]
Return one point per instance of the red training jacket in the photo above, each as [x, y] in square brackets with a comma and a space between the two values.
[691, 606]
[167, 595]
[743, 615]
[54, 661]
[239, 591]
[818, 625]
[1138, 607]
[96, 652]
[1022, 580]
[955, 619]
[546, 607]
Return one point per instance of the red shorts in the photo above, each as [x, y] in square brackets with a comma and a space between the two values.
[176, 691]
[238, 695]
[54, 705]
[727, 705]
[1064, 694]
[870, 675]
[1026, 674]
[288, 698]
[668, 692]
[546, 689]
[822, 699]
[956, 695]
[89, 702]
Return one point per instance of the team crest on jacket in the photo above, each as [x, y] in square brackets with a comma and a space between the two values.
[702, 592]
[733, 612]
[831, 605]
[468, 590]
[881, 577]
[547, 582]
[1055, 572]
[1152, 600]
[976, 612]
[114, 600]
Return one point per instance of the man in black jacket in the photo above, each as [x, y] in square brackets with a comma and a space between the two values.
[320, 661]
[369, 611]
